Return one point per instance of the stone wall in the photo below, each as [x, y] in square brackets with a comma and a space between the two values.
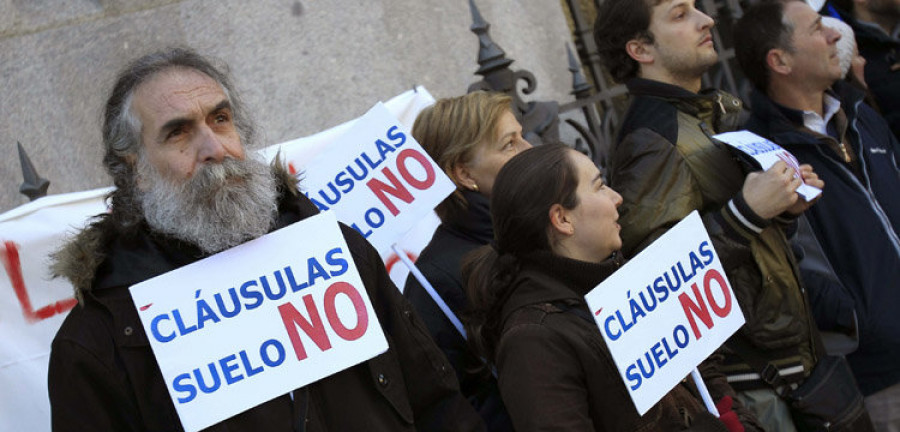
[303, 65]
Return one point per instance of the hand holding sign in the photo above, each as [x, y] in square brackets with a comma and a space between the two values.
[773, 191]
[766, 154]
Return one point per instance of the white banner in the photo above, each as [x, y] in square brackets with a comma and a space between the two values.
[246, 325]
[377, 179]
[665, 311]
[33, 306]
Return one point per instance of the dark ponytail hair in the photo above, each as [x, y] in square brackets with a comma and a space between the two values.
[525, 189]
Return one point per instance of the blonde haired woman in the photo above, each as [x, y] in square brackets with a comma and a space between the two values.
[470, 137]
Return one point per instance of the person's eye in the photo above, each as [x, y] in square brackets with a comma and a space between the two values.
[175, 133]
[222, 118]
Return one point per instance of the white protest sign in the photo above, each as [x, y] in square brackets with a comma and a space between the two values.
[377, 179]
[257, 321]
[665, 311]
[767, 153]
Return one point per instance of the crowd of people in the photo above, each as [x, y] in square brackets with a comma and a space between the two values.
[529, 231]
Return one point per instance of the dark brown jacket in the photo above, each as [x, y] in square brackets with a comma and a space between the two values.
[556, 372]
[665, 165]
[103, 376]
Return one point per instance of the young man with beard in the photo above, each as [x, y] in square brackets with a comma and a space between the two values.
[801, 103]
[176, 140]
[665, 165]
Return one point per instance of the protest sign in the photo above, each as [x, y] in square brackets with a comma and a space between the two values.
[377, 179]
[665, 311]
[34, 305]
[766, 153]
[257, 321]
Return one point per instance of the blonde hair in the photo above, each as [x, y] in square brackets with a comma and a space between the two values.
[451, 130]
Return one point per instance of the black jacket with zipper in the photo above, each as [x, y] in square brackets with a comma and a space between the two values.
[857, 223]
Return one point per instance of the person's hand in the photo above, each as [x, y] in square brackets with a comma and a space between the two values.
[771, 192]
[728, 416]
[811, 178]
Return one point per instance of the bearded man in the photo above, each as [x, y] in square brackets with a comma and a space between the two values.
[176, 136]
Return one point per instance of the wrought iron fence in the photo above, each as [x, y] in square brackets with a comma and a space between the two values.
[599, 103]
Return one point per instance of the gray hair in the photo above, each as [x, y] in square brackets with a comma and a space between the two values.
[122, 128]
[846, 45]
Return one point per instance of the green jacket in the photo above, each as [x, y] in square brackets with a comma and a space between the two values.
[665, 165]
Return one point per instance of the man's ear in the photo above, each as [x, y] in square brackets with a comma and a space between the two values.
[461, 175]
[560, 222]
[779, 61]
[639, 50]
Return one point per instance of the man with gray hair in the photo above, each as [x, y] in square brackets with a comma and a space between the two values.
[801, 103]
[177, 140]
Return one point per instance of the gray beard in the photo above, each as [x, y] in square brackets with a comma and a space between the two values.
[221, 206]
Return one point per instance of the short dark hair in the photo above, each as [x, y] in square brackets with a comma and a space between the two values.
[122, 128]
[762, 28]
[619, 21]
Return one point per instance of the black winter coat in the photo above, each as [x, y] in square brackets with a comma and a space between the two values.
[440, 263]
[103, 375]
[857, 223]
[556, 371]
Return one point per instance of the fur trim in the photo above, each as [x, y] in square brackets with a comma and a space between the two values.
[78, 259]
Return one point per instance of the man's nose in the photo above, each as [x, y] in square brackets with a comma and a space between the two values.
[706, 21]
[833, 35]
[211, 148]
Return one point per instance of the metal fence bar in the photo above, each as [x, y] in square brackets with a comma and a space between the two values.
[34, 186]
[599, 103]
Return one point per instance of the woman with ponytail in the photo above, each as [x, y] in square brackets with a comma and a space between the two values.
[555, 238]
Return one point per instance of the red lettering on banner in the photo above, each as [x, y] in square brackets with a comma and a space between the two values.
[315, 330]
[11, 262]
[396, 189]
[404, 172]
[695, 308]
[362, 316]
[721, 311]
[314, 327]
[393, 259]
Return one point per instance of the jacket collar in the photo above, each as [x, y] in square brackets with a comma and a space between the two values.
[547, 277]
[772, 119]
[475, 222]
[720, 108]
